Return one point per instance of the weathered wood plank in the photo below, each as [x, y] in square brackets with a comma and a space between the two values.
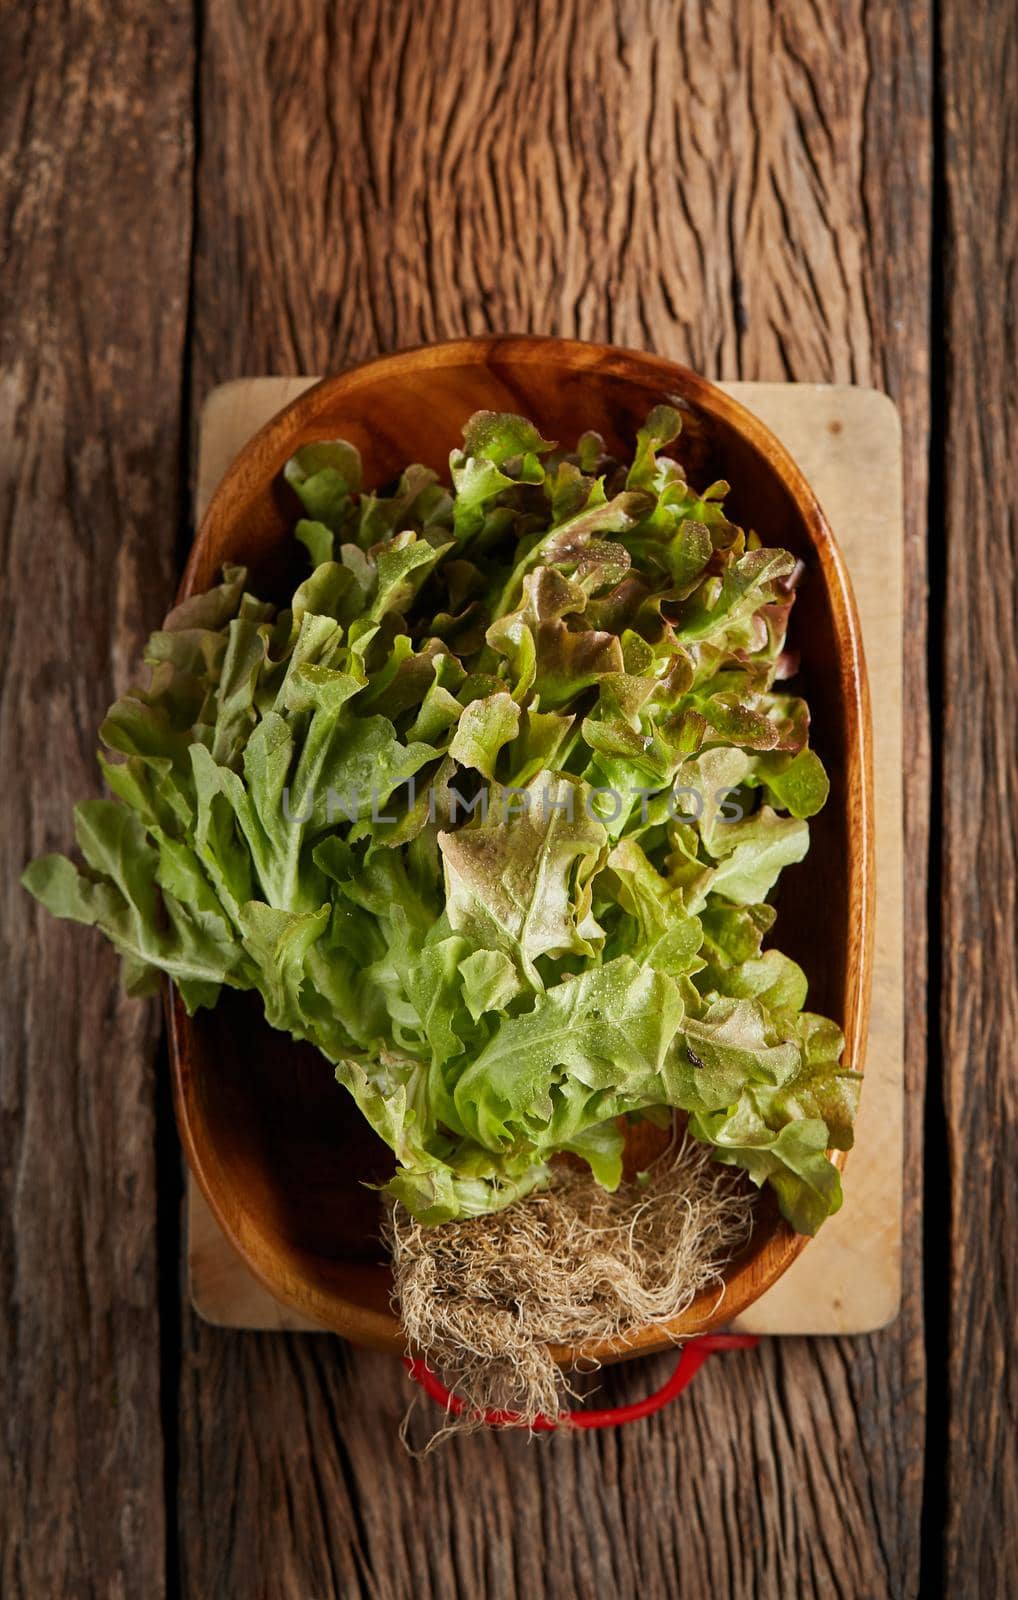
[737, 187]
[980, 773]
[95, 175]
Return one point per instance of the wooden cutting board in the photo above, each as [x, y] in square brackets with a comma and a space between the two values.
[848, 443]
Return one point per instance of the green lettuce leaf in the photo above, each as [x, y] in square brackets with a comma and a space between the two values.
[490, 812]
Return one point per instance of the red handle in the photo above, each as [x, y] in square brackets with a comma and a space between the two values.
[691, 1359]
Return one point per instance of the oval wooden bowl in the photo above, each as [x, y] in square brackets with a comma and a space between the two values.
[280, 1152]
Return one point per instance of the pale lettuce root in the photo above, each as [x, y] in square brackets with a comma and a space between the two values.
[484, 1297]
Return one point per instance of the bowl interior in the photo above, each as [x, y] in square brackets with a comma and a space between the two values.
[281, 1153]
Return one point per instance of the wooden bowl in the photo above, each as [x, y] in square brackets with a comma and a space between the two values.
[280, 1152]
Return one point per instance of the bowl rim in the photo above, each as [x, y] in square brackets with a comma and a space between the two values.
[382, 1329]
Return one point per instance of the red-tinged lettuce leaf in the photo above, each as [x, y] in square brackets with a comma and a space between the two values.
[729, 597]
[501, 455]
[551, 652]
[518, 880]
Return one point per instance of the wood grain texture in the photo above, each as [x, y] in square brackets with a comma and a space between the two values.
[95, 177]
[980, 793]
[743, 188]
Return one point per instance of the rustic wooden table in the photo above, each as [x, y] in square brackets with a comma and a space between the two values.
[821, 192]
